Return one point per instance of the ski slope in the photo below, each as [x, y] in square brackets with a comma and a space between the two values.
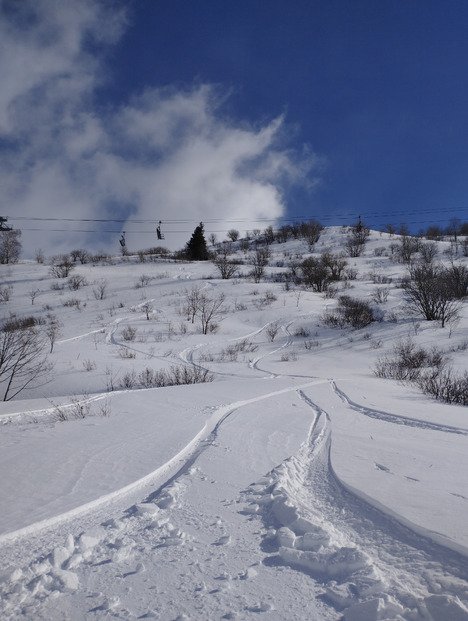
[295, 485]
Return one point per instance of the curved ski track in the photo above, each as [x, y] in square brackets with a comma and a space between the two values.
[315, 526]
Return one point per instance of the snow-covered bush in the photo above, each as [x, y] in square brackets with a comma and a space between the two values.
[408, 361]
[350, 312]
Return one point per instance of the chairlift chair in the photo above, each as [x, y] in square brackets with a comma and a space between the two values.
[158, 231]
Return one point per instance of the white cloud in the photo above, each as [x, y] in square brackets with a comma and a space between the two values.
[169, 154]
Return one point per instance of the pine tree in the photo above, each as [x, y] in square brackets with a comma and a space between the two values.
[196, 247]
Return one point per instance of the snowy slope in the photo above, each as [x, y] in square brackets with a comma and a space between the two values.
[295, 485]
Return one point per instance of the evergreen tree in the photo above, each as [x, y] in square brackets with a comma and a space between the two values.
[196, 247]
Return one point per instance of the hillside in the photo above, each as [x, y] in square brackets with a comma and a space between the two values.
[277, 478]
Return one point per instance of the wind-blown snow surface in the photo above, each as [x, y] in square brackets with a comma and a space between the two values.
[296, 485]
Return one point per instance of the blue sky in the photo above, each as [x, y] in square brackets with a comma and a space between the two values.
[235, 113]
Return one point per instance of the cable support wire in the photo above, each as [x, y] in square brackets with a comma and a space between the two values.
[287, 218]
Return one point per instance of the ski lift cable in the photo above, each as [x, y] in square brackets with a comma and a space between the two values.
[287, 218]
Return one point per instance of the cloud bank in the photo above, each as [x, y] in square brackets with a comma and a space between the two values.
[168, 154]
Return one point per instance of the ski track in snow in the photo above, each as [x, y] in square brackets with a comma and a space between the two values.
[360, 569]
[317, 527]
[312, 524]
[395, 418]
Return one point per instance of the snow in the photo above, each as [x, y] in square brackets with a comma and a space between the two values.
[295, 485]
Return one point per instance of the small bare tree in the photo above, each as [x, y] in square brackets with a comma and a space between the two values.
[52, 329]
[23, 363]
[272, 331]
[259, 262]
[209, 309]
[233, 235]
[191, 302]
[429, 292]
[226, 267]
[33, 294]
[61, 266]
[357, 239]
[10, 246]
[80, 255]
[100, 289]
[212, 239]
[147, 307]
[39, 255]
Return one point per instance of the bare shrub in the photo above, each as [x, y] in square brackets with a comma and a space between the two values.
[407, 248]
[231, 352]
[129, 333]
[380, 295]
[129, 379]
[111, 379]
[72, 302]
[408, 360]
[174, 376]
[60, 413]
[272, 331]
[350, 312]
[430, 293]
[39, 256]
[445, 385]
[80, 255]
[315, 274]
[104, 409]
[357, 238]
[76, 281]
[61, 266]
[80, 408]
[309, 231]
[259, 261]
[126, 353]
[457, 279]
[335, 264]
[428, 252]
[89, 365]
[301, 331]
[266, 300]
[5, 293]
[21, 323]
[246, 346]
[331, 292]
[426, 369]
[227, 268]
[100, 289]
[143, 281]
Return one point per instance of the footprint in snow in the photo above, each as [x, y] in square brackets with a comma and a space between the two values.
[222, 541]
[383, 468]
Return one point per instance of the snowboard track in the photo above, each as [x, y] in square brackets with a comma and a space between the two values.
[317, 520]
